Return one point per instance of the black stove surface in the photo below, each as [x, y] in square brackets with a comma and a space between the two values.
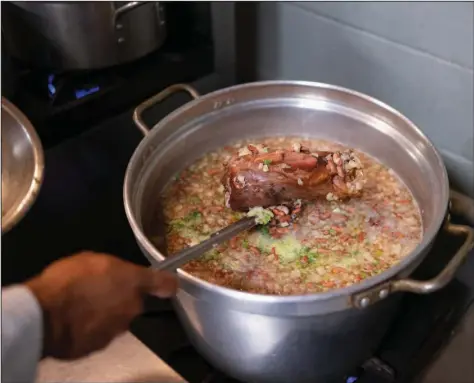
[422, 328]
[80, 204]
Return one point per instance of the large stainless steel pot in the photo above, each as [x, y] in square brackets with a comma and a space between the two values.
[82, 35]
[309, 338]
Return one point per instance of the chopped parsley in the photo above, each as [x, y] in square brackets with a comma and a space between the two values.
[193, 215]
[187, 221]
[265, 231]
[210, 255]
[262, 216]
[307, 252]
[267, 162]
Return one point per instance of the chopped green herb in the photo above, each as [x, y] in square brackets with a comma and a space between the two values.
[304, 251]
[332, 231]
[265, 231]
[185, 222]
[262, 216]
[195, 214]
[267, 162]
[176, 224]
[210, 255]
[245, 244]
[307, 252]
[312, 256]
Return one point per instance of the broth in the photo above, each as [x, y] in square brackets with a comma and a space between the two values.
[334, 244]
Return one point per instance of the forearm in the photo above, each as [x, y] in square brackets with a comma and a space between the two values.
[22, 334]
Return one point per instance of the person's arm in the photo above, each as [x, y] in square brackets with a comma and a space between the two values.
[22, 334]
[76, 306]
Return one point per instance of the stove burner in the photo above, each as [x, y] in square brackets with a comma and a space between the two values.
[78, 91]
[64, 104]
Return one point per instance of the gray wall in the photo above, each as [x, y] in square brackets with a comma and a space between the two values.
[417, 57]
[223, 31]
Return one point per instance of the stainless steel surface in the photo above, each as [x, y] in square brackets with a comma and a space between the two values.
[22, 165]
[82, 35]
[177, 260]
[275, 338]
[126, 359]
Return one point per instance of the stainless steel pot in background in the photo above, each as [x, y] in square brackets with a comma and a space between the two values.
[22, 165]
[82, 35]
[305, 338]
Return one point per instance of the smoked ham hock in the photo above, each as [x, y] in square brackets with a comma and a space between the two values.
[259, 177]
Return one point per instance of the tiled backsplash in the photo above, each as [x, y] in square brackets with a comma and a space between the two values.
[417, 57]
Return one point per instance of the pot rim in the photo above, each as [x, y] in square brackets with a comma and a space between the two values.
[19, 211]
[253, 298]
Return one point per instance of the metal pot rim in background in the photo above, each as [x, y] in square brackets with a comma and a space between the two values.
[358, 295]
[22, 206]
[62, 36]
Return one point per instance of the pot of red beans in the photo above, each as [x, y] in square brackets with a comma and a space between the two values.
[311, 301]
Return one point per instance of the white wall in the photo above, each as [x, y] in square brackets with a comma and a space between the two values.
[417, 57]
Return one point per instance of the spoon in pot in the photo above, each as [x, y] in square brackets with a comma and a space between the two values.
[179, 259]
[275, 216]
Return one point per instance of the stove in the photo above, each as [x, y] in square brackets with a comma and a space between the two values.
[80, 207]
[85, 123]
[62, 105]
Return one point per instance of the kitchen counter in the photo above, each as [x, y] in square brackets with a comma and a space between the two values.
[126, 359]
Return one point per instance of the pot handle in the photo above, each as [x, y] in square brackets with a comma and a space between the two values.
[382, 291]
[137, 113]
[124, 9]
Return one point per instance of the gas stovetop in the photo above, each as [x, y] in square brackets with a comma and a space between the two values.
[423, 327]
[61, 105]
[80, 207]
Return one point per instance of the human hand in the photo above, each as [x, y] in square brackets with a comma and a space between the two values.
[89, 298]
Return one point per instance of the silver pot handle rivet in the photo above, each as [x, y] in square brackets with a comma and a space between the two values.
[383, 294]
[364, 302]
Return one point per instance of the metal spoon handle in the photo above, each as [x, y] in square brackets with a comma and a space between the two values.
[179, 259]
